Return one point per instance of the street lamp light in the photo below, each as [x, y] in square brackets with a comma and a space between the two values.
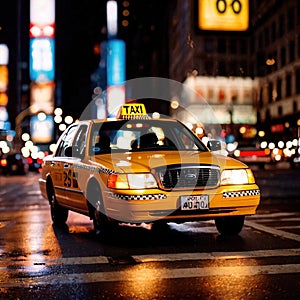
[68, 119]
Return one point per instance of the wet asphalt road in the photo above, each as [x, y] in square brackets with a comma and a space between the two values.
[187, 261]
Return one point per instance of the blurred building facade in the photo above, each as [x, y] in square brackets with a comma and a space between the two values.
[275, 56]
[168, 43]
[268, 52]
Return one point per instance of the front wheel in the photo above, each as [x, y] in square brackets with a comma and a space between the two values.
[160, 227]
[101, 223]
[230, 225]
[59, 214]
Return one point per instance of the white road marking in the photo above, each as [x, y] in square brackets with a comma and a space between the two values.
[290, 219]
[216, 255]
[272, 215]
[279, 219]
[158, 257]
[33, 193]
[273, 231]
[79, 260]
[288, 227]
[142, 274]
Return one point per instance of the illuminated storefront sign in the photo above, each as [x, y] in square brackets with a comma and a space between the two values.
[223, 15]
[112, 19]
[115, 75]
[3, 78]
[3, 99]
[42, 60]
[115, 99]
[241, 114]
[42, 12]
[4, 54]
[277, 128]
[4, 123]
[220, 100]
[38, 31]
[41, 131]
[42, 68]
[115, 62]
[3, 114]
[220, 89]
[42, 96]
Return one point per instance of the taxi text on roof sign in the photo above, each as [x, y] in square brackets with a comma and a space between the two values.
[134, 111]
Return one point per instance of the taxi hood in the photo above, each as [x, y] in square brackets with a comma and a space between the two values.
[144, 161]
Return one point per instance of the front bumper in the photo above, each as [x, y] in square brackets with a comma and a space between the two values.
[152, 205]
[43, 187]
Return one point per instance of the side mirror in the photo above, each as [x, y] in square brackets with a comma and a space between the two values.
[69, 151]
[214, 145]
[73, 151]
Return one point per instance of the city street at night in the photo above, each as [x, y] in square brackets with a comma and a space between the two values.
[150, 150]
[186, 261]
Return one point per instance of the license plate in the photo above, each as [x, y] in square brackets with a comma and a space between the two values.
[194, 202]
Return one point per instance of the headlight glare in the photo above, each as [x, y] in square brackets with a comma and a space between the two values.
[141, 181]
[237, 176]
[131, 181]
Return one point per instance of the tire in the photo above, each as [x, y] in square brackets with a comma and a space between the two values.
[101, 223]
[59, 214]
[230, 225]
[160, 227]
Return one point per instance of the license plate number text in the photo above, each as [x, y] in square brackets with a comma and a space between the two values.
[194, 202]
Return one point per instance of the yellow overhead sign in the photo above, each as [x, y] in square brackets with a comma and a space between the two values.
[224, 15]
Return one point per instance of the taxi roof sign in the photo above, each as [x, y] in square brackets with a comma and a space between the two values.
[134, 111]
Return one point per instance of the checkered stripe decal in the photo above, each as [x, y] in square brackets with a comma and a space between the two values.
[241, 194]
[139, 197]
[135, 117]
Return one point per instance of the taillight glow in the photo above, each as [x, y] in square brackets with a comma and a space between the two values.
[3, 162]
[253, 153]
[117, 181]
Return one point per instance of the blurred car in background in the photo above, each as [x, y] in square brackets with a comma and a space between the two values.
[294, 158]
[253, 156]
[13, 164]
[35, 164]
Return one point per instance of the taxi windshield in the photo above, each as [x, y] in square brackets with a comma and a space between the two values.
[142, 135]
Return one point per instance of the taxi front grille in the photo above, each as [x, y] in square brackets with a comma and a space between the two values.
[188, 176]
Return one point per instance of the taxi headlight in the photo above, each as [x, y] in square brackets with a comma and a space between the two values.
[131, 181]
[237, 176]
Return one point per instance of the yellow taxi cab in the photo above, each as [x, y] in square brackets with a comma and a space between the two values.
[141, 169]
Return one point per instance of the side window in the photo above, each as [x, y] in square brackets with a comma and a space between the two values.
[66, 141]
[79, 143]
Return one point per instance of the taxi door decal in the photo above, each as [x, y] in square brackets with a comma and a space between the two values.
[74, 179]
[70, 178]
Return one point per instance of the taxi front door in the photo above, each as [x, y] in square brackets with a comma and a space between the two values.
[56, 164]
[73, 191]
